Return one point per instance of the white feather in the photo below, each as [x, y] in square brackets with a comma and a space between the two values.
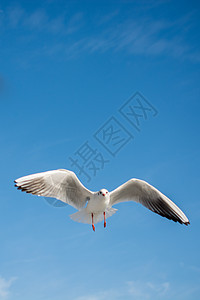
[84, 216]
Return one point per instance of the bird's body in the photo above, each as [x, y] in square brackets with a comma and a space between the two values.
[98, 208]
[98, 203]
[93, 207]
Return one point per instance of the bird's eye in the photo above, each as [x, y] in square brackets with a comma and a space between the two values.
[100, 192]
[106, 192]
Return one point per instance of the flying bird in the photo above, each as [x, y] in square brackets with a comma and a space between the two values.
[94, 207]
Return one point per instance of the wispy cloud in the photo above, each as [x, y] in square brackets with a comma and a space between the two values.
[131, 290]
[5, 285]
[140, 37]
[37, 20]
[147, 290]
[40, 21]
[14, 15]
[109, 294]
[75, 23]
[132, 35]
[108, 17]
[195, 268]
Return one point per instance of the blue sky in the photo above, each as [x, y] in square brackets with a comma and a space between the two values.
[67, 67]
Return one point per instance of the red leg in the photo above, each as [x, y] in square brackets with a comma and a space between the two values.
[104, 214]
[93, 227]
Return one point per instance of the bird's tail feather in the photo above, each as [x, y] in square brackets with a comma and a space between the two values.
[83, 216]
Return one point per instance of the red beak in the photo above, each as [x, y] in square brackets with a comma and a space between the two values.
[103, 194]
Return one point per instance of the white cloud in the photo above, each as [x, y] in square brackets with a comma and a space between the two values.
[15, 15]
[142, 36]
[88, 298]
[134, 35]
[37, 20]
[40, 21]
[5, 286]
[107, 18]
[147, 290]
[137, 290]
[104, 295]
[74, 23]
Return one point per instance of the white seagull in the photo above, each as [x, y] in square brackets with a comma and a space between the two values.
[94, 207]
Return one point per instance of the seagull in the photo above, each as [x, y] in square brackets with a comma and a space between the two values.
[94, 207]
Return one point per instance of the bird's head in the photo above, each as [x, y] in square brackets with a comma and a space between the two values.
[103, 193]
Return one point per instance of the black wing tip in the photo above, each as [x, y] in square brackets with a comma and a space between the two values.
[17, 186]
[20, 188]
[183, 223]
[187, 223]
[176, 220]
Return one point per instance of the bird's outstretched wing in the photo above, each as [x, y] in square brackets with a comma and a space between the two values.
[60, 184]
[144, 193]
